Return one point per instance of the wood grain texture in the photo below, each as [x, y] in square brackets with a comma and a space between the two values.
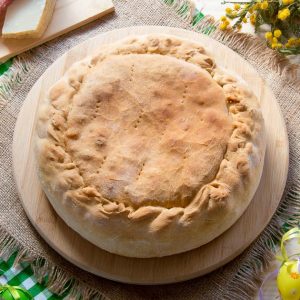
[68, 15]
[155, 270]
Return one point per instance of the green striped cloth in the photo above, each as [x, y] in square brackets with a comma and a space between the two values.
[22, 274]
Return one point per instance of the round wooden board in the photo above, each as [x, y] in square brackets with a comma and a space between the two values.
[155, 270]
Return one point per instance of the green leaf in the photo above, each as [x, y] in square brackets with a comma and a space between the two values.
[259, 21]
[289, 51]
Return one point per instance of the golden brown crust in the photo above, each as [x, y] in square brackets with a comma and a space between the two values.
[146, 141]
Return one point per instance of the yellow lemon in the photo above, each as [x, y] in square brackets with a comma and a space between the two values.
[288, 281]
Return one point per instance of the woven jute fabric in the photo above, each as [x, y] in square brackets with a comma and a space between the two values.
[238, 279]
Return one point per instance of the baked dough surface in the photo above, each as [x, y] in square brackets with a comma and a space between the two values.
[148, 148]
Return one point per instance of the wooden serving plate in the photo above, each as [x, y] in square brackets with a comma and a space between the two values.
[155, 270]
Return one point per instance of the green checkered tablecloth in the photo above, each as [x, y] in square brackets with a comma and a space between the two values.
[22, 275]
[5, 66]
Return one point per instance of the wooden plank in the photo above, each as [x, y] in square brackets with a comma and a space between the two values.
[155, 270]
[68, 15]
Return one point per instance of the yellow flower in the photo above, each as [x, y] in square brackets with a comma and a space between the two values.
[292, 41]
[223, 18]
[287, 45]
[223, 26]
[226, 22]
[277, 33]
[234, 13]
[250, 10]
[283, 14]
[264, 5]
[287, 2]
[245, 20]
[268, 35]
[237, 6]
[228, 10]
[274, 40]
[239, 26]
[274, 45]
[256, 6]
[253, 19]
[279, 45]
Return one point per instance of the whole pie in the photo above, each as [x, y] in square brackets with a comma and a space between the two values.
[148, 148]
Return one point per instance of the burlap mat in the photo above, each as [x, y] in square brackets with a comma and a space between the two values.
[238, 279]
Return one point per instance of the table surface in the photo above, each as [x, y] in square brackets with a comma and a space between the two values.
[158, 270]
[22, 275]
